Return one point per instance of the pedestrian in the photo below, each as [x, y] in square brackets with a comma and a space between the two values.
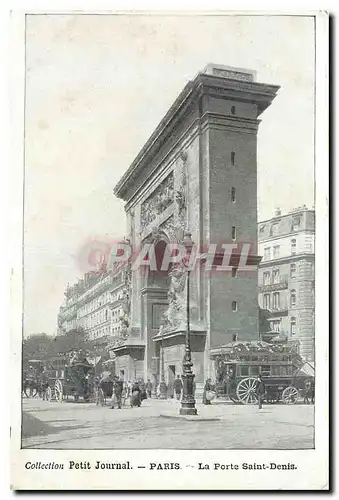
[117, 392]
[307, 392]
[149, 387]
[143, 392]
[170, 389]
[312, 391]
[178, 387]
[260, 390]
[44, 385]
[136, 395]
[207, 389]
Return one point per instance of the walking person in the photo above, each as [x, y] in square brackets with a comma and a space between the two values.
[149, 387]
[136, 395]
[178, 387]
[117, 392]
[307, 392]
[312, 391]
[207, 389]
[44, 385]
[260, 390]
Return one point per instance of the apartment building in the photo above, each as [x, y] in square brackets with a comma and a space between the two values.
[287, 277]
[96, 304]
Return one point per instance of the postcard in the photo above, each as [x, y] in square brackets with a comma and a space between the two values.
[169, 318]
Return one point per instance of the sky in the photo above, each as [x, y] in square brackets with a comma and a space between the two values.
[96, 88]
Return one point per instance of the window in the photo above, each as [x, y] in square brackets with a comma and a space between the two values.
[233, 157]
[267, 278]
[295, 224]
[234, 272]
[244, 371]
[265, 371]
[267, 301]
[234, 233]
[276, 251]
[276, 300]
[233, 110]
[267, 253]
[106, 314]
[273, 229]
[276, 276]
[276, 371]
[234, 337]
[234, 305]
[293, 326]
[254, 371]
[293, 246]
[275, 325]
[293, 298]
[293, 270]
[233, 195]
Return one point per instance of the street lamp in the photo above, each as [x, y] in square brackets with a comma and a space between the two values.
[162, 384]
[135, 367]
[188, 401]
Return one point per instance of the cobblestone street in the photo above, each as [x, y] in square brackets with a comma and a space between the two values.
[70, 425]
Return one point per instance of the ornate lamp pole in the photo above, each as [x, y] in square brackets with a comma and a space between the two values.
[162, 384]
[188, 401]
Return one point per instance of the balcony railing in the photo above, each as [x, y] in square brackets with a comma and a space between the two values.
[272, 287]
[279, 311]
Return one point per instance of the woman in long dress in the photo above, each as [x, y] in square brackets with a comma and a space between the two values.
[136, 395]
[208, 387]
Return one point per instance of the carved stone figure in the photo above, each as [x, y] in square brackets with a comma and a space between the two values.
[126, 303]
[175, 315]
[159, 200]
[181, 194]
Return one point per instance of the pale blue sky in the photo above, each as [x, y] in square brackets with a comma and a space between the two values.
[96, 88]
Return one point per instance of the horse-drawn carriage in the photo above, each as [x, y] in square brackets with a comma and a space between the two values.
[75, 379]
[103, 388]
[31, 378]
[238, 365]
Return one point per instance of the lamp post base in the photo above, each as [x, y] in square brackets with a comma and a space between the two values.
[188, 400]
[188, 410]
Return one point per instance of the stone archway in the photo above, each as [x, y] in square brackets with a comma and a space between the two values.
[154, 302]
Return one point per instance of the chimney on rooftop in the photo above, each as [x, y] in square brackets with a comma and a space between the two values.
[277, 212]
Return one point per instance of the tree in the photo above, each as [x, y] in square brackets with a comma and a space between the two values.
[73, 340]
[38, 346]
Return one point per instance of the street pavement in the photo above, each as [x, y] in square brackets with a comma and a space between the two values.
[78, 425]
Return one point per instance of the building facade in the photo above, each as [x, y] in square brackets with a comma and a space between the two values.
[196, 174]
[96, 304]
[287, 277]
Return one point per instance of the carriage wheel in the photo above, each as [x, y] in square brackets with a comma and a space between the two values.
[246, 391]
[31, 392]
[58, 390]
[290, 395]
[48, 394]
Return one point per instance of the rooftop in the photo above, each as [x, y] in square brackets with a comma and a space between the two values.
[232, 83]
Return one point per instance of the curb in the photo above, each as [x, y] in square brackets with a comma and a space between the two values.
[190, 417]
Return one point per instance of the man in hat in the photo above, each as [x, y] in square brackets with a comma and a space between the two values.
[178, 387]
[117, 392]
[149, 387]
[260, 390]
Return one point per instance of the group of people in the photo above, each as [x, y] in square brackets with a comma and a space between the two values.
[121, 390]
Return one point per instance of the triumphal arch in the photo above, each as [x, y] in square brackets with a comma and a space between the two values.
[196, 174]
